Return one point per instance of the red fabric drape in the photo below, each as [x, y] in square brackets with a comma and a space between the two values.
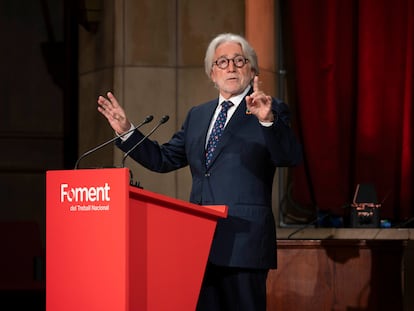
[350, 67]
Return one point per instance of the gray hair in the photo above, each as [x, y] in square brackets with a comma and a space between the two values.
[247, 49]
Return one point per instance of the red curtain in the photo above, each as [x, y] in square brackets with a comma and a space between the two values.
[350, 76]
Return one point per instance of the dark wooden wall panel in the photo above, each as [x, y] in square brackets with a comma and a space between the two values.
[337, 275]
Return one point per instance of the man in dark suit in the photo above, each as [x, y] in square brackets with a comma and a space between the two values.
[232, 153]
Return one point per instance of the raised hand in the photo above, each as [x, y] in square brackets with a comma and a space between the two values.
[260, 104]
[114, 113]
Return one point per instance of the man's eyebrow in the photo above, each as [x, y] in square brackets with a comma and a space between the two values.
[226, 56]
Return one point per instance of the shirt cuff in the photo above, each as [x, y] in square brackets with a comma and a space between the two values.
[128, 134]
[269, 124]
[266, 124]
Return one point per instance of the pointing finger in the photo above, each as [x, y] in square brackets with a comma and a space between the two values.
[256, 84]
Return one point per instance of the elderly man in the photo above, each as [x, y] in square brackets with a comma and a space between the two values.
[232, 145]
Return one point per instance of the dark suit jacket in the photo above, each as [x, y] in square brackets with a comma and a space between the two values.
[240, 176]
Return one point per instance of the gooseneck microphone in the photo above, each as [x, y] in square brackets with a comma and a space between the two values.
[162, 121]
[148, 119]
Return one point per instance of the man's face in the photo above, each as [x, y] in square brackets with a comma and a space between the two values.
[231, 80]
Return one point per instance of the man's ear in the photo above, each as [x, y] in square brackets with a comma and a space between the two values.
[212, 77]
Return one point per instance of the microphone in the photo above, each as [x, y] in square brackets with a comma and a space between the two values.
[162, 121]
[148, 119]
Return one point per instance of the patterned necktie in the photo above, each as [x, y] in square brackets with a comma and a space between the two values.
[217, 131]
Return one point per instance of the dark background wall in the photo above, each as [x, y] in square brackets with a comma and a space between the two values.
[32, 85]
[35, 88]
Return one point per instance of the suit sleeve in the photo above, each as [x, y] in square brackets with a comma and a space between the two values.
[155, 157]
[282, 143]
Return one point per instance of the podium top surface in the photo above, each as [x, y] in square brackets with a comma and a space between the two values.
[217, 211]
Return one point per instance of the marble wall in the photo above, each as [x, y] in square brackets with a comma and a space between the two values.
[150, 54]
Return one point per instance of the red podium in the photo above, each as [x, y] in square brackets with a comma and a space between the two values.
[110, 246]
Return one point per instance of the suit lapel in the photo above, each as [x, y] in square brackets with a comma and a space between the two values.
[237, 120]
[205, 124]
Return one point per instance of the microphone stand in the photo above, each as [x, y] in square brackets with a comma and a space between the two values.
[147, 120]
[162, 121]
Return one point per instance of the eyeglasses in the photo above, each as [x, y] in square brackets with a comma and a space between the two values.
[238, 61]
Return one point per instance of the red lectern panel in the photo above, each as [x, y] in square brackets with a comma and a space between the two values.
[115, 247]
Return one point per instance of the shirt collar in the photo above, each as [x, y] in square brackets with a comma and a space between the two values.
[236, 100]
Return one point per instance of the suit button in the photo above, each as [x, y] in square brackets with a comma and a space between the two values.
[207, 174]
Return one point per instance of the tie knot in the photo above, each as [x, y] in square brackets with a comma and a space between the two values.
[226, 105]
